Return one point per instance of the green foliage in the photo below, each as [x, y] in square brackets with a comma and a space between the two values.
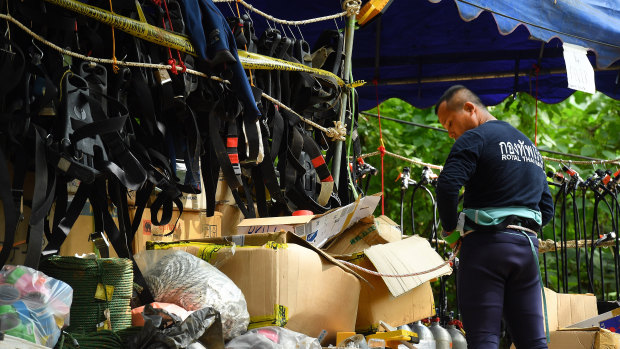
[584, 124]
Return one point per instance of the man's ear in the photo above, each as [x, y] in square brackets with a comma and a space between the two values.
[469, 107]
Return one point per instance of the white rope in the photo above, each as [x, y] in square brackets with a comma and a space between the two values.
[372, 272]
[400, 157]
[583, 162]
[282, 21]
[437, 167]
[338, 132]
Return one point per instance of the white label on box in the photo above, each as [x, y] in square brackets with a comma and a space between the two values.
[579, 71]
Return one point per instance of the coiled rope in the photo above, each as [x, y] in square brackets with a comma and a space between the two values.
[85, 275]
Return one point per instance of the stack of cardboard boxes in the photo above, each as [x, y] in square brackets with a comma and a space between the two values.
[292, 273]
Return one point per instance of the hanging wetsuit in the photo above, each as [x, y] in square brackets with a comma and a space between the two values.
[214, 42]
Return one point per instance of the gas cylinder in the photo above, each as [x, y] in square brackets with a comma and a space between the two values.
[442, 337]
[458, 339]
[427, 341]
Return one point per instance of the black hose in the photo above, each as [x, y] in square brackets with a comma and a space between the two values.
[564, 242]
[555, 243]
[577, 237]
[585, 239]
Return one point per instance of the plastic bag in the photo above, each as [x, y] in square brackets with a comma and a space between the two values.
[273, 337]
[166, 330]
[33, 306]
[185, 280]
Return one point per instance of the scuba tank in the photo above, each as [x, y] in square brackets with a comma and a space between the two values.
[442, 337]
[427, 341]
[458, 339]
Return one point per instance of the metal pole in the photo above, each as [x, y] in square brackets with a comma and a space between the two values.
[346, 72]
[497, 75]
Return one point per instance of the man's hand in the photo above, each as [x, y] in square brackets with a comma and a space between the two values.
[454, 244]
[452, 238]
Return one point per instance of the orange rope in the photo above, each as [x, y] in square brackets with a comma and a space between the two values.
[114, 65]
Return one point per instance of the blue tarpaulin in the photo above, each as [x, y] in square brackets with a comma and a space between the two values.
[418, 48]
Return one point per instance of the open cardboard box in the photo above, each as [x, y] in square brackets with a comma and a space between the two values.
[286, 281]
[318, 229]
[367, 232]
[402, 300]
[565, 310]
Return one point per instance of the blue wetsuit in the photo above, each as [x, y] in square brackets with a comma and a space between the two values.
[499, 167]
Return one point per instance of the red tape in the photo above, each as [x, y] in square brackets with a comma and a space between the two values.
[231, 142]
[234, 158]
[328, 179]
[318, 161]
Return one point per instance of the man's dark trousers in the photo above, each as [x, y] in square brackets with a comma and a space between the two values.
[499, 276]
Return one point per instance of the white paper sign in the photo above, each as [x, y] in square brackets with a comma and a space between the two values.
[578, 68]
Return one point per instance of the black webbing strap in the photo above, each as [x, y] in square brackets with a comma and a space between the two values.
[227, 155]
[10, 212]
[119, 240]
[210, 176]
[42, 199]
[61, 231]
[142, 197]
[267, 175]
[132, 175]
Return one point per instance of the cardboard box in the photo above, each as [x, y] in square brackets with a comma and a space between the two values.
[363, 234]
[397, 301]
[231, 217]
[189, 223]
[565, 310]
[210, 227]
[592, 338]
[376, 303]
[318, 229]
[609, 320]
[286, 282]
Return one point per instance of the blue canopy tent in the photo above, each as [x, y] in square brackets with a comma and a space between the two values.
[418, 48]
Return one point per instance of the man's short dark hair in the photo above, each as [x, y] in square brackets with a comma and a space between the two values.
[453, 103]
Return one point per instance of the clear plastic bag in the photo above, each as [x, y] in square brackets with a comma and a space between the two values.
[185, 280]
[273, 337]
[33, 306]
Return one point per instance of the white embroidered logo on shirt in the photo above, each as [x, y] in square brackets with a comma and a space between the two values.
[520, 152]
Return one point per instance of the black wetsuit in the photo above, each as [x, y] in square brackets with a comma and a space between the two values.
[498, 275]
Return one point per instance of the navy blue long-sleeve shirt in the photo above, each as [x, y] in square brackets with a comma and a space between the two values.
[499, 167]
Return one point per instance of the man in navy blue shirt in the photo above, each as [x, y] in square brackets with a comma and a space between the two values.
[506, 201]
